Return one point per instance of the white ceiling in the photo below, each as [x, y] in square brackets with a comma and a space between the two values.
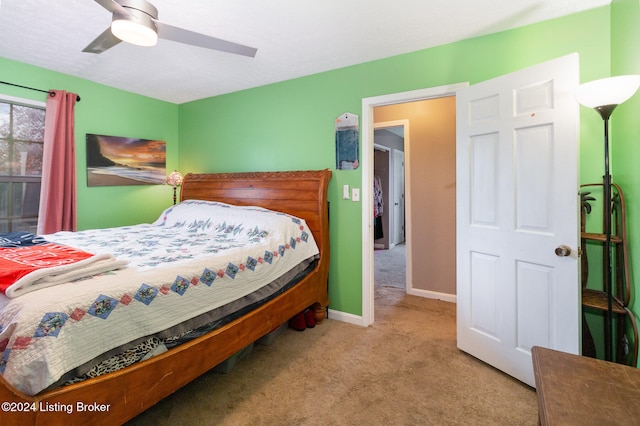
[294, 38]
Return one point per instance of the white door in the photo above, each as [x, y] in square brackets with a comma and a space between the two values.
[517, 200]
[398, 196]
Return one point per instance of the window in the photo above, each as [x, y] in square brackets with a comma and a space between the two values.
[21, 143]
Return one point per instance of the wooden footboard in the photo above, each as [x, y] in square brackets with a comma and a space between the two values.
[120, 396]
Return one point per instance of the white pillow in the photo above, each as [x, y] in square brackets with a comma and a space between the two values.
[207, 216]
[190, 211]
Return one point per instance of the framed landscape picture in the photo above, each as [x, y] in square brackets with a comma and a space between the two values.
[116, 160]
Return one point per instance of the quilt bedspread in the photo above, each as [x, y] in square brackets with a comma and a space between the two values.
[196, 257]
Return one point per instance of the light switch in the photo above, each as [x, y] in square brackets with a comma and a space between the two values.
[345, 192]
[355, 194]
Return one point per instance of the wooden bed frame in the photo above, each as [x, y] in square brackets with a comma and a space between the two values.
[117, 397]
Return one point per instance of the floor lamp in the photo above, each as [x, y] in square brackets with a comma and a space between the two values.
[604, 96]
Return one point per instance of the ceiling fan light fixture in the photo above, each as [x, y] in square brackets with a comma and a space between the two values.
[136, 22]
[138, 33]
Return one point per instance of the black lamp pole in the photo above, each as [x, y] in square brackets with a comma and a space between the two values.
[605, 112]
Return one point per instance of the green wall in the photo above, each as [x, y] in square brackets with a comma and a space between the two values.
[625, 127]
[289, 125]
[105, 110]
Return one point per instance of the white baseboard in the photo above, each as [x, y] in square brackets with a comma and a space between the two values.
[345, 317]
[432, 295]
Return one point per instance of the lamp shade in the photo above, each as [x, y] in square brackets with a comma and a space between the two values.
[608, 91]
[174, 178]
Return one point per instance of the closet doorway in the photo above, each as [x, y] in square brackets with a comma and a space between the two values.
[390, 266]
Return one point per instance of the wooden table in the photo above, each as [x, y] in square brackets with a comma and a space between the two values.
[580, 390]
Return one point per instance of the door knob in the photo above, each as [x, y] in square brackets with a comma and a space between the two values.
[563, 251]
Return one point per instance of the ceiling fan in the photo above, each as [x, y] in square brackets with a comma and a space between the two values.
[136, 21]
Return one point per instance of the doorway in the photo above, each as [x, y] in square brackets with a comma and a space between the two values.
[368, 106]
[389, 182]
[389, 204]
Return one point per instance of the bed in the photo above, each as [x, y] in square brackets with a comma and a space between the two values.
[118, 396]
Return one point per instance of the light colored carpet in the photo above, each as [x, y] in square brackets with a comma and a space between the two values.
[390, 267]
[403, 370]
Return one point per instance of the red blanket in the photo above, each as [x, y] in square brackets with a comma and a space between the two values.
[25, 269]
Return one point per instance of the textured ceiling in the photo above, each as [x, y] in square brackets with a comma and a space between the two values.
[294, 38]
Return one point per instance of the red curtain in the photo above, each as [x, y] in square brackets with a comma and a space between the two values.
[58, 191]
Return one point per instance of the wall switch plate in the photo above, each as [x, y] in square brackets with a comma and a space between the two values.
[345, 192]
[355, 194]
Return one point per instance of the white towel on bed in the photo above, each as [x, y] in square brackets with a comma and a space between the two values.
[56, 275]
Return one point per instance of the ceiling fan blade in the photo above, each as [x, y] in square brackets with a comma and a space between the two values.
[169, 32]
[104, 41]
[112, 6]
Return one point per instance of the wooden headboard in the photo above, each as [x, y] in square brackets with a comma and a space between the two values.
[299, 193]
